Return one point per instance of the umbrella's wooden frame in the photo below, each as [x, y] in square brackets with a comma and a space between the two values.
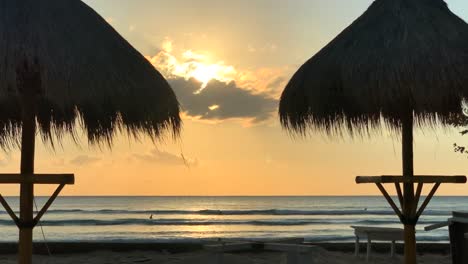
[29, 91]
[409, 200]
[26, 222]
[60, 179]
[420, 180]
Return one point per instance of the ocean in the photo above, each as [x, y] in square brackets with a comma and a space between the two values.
[186, 219]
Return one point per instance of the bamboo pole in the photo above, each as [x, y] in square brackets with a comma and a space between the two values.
[408, 189]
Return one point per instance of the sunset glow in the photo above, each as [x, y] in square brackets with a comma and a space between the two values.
[228, 65]
[191, 64]
[138, 131]
[205, 73]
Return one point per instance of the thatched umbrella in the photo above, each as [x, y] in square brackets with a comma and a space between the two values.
[61, 63]
[403, 62]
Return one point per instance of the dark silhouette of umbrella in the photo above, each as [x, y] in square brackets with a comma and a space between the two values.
[62, 64]
[403, 62]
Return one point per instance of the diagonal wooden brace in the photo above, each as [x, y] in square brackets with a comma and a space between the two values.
[390, 200]
[411, 215]
[417, 196]
[48, 204]
[10, 178]
[400, 195]
[427, 200]
[9, 210]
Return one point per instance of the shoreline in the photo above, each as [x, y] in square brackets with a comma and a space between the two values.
[40, 248]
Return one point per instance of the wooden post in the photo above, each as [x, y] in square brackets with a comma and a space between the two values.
[408, 189]
[27, 189]
[29, 85]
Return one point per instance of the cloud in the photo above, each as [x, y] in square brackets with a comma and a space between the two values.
[167, 158]
[278, 81]
[84, 160]
[211, 90]
[190, 64]
[270, 81]
[220, 101]
[166, 46]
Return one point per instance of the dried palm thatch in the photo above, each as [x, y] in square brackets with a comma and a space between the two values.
[400, 56]
[84, 70]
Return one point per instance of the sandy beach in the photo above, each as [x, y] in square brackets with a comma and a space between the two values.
[320, 256]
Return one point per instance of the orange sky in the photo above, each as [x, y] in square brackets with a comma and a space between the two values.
[232, 143]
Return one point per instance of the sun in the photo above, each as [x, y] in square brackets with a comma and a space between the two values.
[191, 64]
[205, 73]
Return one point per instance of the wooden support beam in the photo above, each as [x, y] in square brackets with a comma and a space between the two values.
[427, 200]
[415, 179]
[12, 178]
[416, 198]
[48, 204]
[389, 200]
[9, 210]
[400, 195]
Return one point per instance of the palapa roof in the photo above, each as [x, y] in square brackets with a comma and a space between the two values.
[400, 56]
[87, 71]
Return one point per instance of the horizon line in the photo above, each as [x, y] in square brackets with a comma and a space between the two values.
[168, 196]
